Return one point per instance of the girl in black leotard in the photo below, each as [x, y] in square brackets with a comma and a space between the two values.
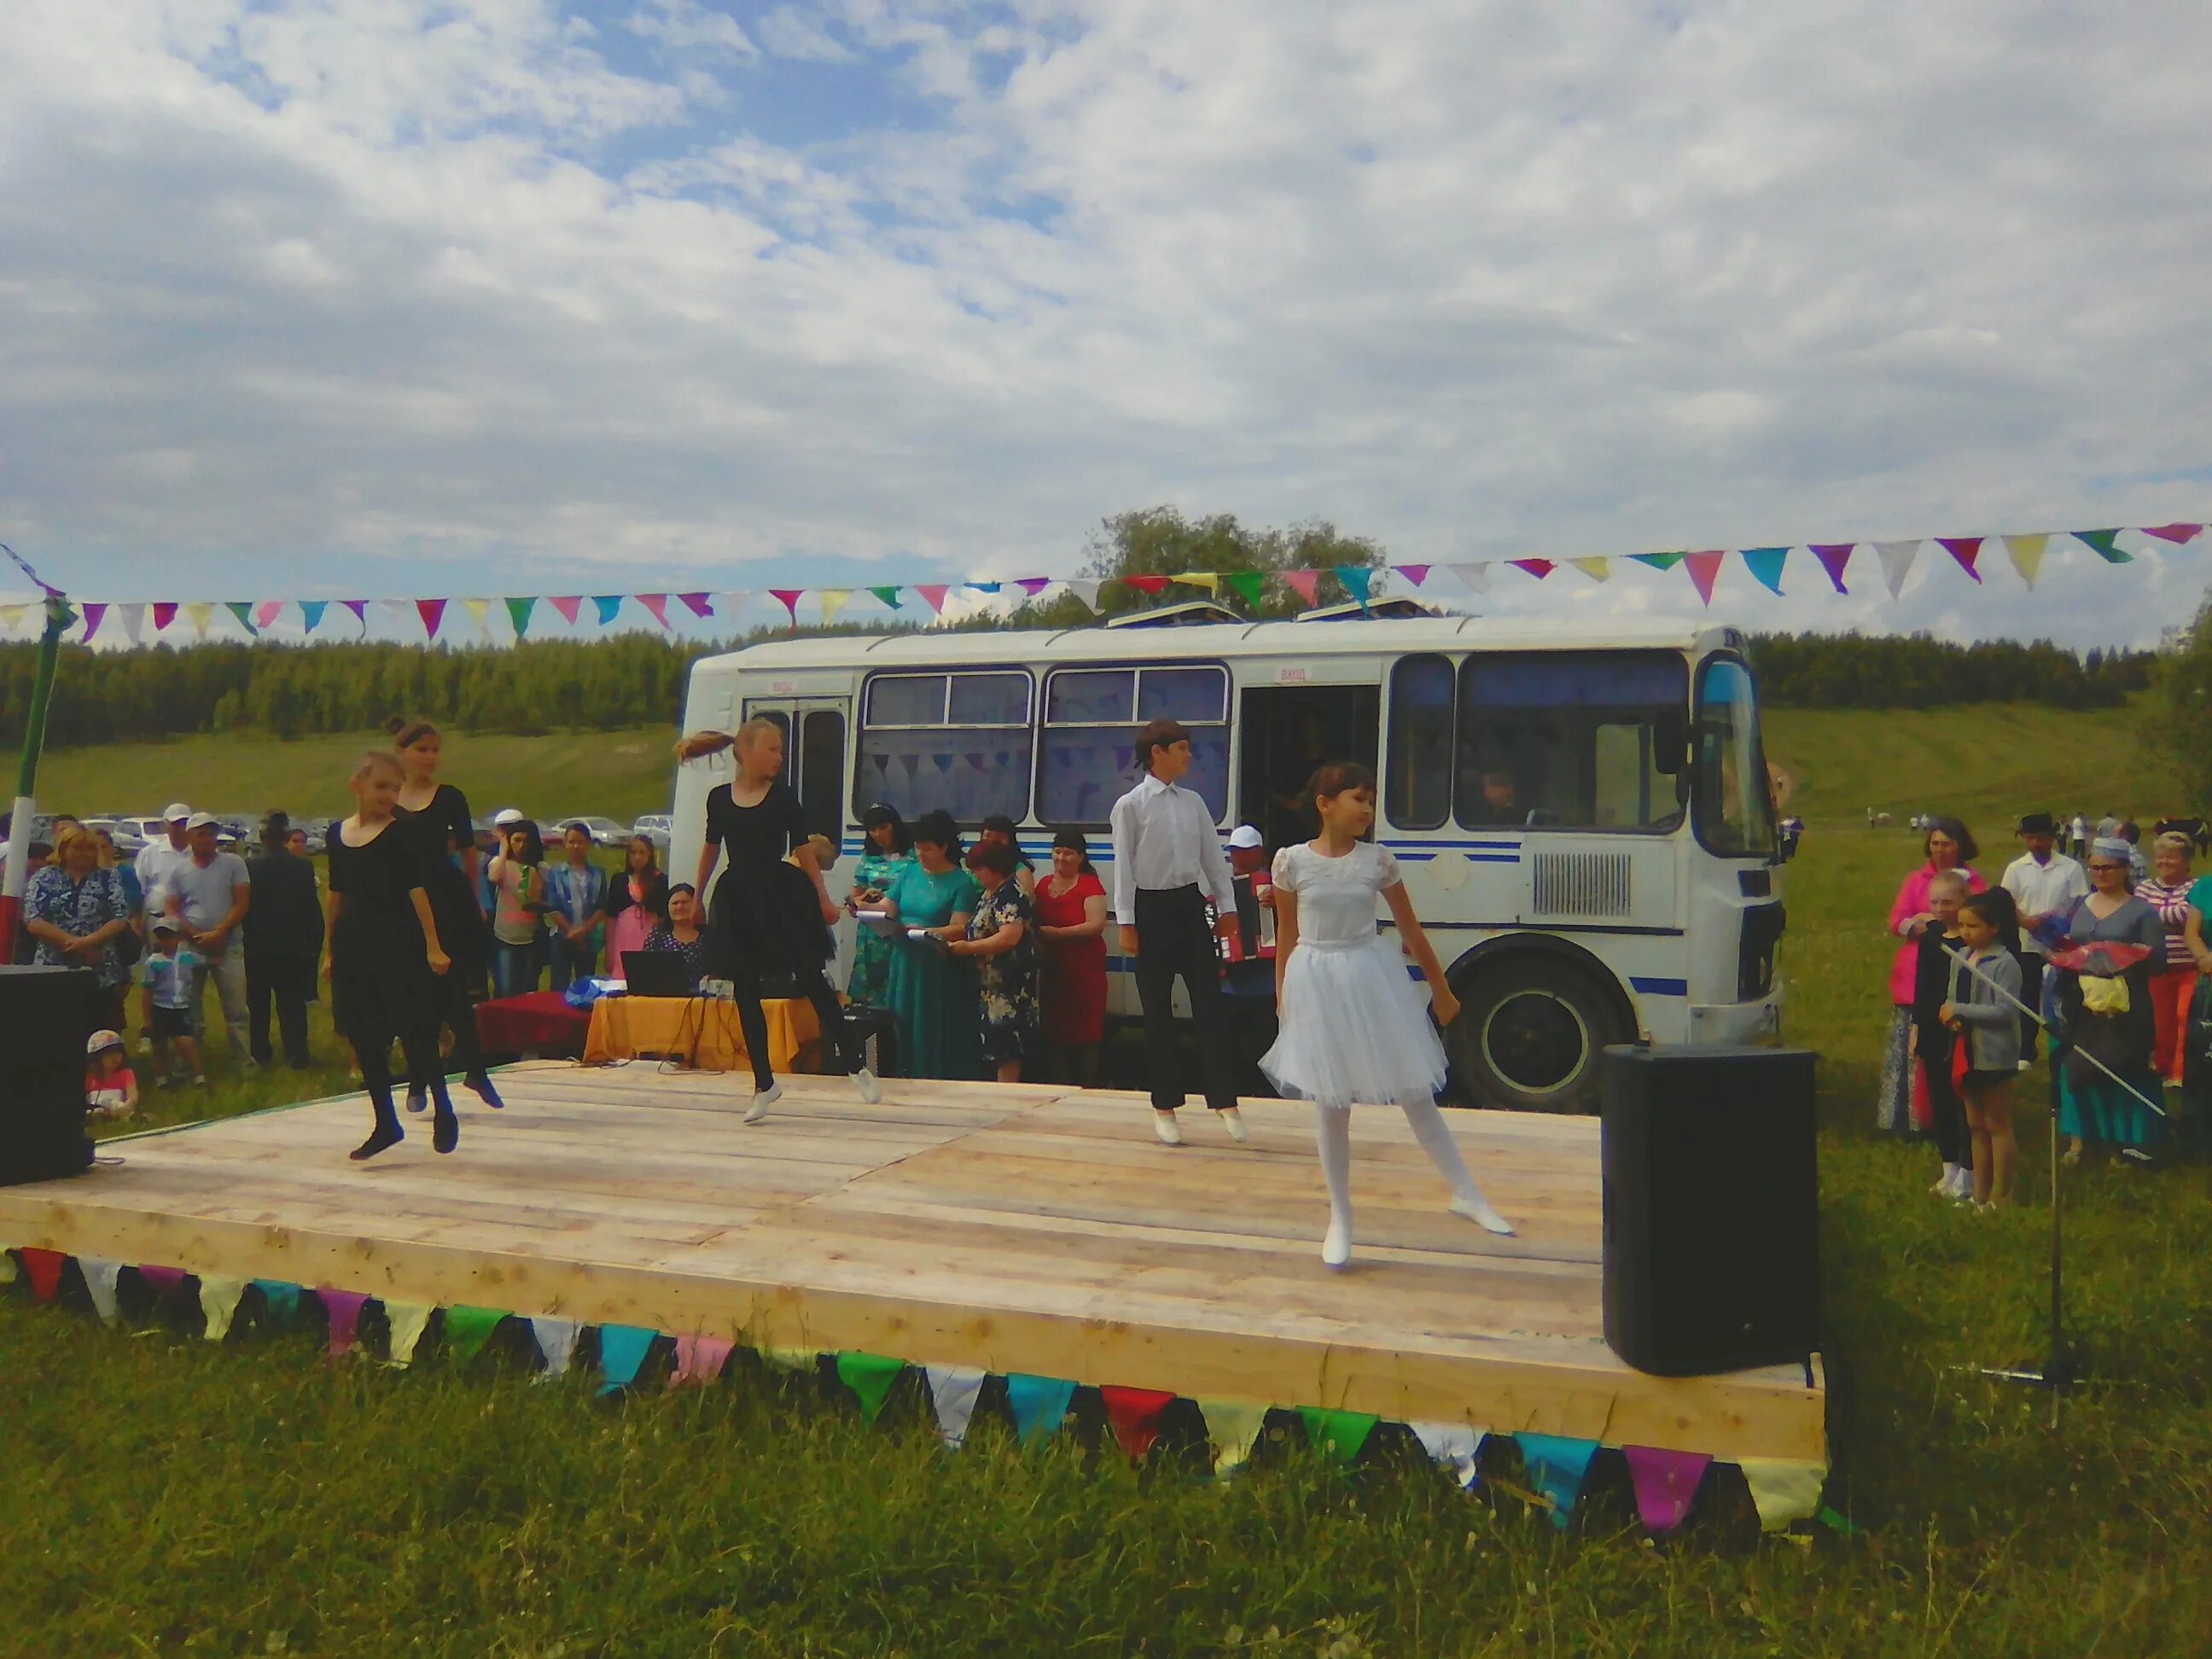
[768, 918]
[384, 958]
[438, 814]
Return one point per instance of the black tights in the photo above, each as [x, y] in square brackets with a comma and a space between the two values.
[372, 1052]
[753, 1024]
[1954, 1141]
[457, 992]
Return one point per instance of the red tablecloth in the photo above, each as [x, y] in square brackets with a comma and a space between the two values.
[539, 1023]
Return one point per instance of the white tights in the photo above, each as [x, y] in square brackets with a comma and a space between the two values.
[1333, 1123]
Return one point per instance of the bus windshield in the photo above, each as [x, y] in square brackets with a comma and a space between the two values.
[1735, 807]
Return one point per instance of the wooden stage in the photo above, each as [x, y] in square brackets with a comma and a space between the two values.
[1017, 1228]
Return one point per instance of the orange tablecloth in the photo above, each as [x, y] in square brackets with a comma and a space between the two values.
[702, 1029]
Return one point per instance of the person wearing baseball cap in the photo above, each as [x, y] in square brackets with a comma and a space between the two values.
[160, 859]
[111, 1088]
[2043, 882]
[207, 897]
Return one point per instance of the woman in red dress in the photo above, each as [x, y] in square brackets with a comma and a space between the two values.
[1070, 924]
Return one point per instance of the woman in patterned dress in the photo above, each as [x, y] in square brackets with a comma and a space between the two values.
[1001, 940]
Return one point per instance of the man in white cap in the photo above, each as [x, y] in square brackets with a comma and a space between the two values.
[207, 897]
[501, 821]
[158, 860]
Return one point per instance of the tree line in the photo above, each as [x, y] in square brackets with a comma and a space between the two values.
[1918, 671]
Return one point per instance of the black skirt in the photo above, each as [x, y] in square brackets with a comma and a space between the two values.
[766, 924]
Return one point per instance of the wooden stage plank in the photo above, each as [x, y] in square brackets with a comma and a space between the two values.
[1025, 1228]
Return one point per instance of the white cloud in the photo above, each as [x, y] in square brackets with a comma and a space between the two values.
[420, 285]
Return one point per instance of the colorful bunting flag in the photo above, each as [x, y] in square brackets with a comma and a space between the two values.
[344, 1308]
[280, 1302]
[11, 616]
[1033, 586]
[2026, 555]
[92, 611]
[7, 1265]
[570, 605]
[1134, 1415]
[219, 1298]
[1038, 1404]
[953, 1390]
[1358, 580]
[1598, 567]
[656, 606]
[1897, 559]
[134, 621]
[1766, 564]
[243, 610]
[517, 613]
[2102, 543]
[433, 612]
[1306, 583]
[1659, 561]
[556, 1343]
[1086, 591]
[407, 1322]
[311, 613]
[870, 1377]
[2179, 534]
[165, 612]
[1456, 1445]
[1539, 569]
[44, 1268]
[1208, 580]
[1964, 549]
[1151, 587]
[479, 613]
[699, 605]
[1704, 570]
[834, 600]
[1476, 577]
[267, 612]
[1665, 1483]
[933, 595]
[699, 1361]
[887, 595]
[609, 605]
[99, 1281]
[1782, 1490]
[735, 600]
[1415, 574]
[161, 1281]
[1337, 1436]
[1556, 1467]
[622, 1349]
[466, 1330]
[803, 1361]
[360, 608]
[982, 587]
[1835, 557]
[789, 598]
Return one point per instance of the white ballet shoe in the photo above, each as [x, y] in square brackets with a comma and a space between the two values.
[1164, 1126]
[870, 1090]
[1233, 1120]
[1477, 1210]
[764, 1099]
[1336, 1243]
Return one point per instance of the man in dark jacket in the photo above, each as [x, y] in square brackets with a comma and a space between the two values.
[283, 943]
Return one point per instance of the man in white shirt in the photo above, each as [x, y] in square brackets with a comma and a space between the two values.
[158, 860]
[1167, 859]
[206, 895]
[2042, 883]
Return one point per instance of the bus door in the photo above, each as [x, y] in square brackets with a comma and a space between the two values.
[813, 756]
[1288, 728]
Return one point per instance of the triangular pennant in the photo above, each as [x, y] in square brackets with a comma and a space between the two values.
[11, 616]
[735, 600]
[1086, 592]
[466, 1330]
[479, 613]
[1247, 584]
[556, 1343]
[2026, 555]
[982, 587]
[608, 606]
[1782, 1490]
[570, 605]
[952, 1394]
[1475, 576]
[888, 595]
[2178, 534]
[267, 612]
[1659, 561]
[161, 1281]
[933, 595]
[1539, 569]
[92, 611]
[1151, 587]
[656, 606]
[1414, 573]
[243, 610]
[1556, 1466]
[406, 1321]
[344, 1308]
[280, 1303]
[360, 608]
[834, 600]
[789, 598]
[1306, 583]
[517, 613]
[399, 611]
[1232, 1426]
[869, 1376]
[219, 1298]
[1766, 564]
[802, 1362]
[699, 605]
[1337, 1436]
[1598, 567]
[1358, 580]
[1665, 1483]
[311, 613]
[432, 612]
[699, 1361]
[1704, 570]
[7, 1265]
[1033, 586]
[1208, 580]
[1134, 1415]
[1038, 1403]
[1835, 558]
[2103, 544]
[1456, 1445]
[44, 1268]
[100, 1277]
[622, 1349]
[1965, 549]
[1897, 559]
[165, 612]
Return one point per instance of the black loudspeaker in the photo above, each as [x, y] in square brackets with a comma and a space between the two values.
[1712, 1227]
[45, 1015]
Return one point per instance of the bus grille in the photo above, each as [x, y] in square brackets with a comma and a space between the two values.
[1581, 885]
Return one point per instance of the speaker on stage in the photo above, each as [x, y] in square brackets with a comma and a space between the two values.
[1712, 1241]
[45, 1015]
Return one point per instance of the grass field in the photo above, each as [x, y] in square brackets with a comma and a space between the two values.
[163, 1495]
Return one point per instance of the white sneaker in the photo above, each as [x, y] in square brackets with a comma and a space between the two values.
[762, 1101]
[872, 1092]
[1233, 1120]
[1477, 1210]
[1336, 1243]
[1164, 1126]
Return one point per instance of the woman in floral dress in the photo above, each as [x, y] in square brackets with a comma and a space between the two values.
[1002, 941]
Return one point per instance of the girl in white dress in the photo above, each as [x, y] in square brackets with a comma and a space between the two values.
[1351, 1024]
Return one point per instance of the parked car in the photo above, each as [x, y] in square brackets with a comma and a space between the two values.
[660, 826]
[122, 831]
[604, 832]
[146, 830]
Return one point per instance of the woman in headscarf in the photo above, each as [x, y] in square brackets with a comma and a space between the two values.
[2109, 1094]
[1949, 845]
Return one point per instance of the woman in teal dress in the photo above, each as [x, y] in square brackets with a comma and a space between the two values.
[932, 992]
[2097, 1112]
[885, 855]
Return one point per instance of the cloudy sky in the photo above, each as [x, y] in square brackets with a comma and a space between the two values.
[331, 298]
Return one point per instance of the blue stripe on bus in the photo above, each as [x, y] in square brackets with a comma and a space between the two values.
[1659, 988]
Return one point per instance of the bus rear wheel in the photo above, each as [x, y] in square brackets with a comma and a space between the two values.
[1528, 1036]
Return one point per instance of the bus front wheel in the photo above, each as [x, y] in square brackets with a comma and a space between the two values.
[1528, 1036]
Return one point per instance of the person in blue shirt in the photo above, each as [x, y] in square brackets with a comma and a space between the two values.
[575, 909]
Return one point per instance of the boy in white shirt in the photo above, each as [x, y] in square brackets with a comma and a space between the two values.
[2043, 882]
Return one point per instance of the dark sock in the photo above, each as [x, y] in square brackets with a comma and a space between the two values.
[445, 1127]
[481, 1082]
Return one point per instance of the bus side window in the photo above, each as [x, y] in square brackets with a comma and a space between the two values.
[1417, 781]
[959, 741]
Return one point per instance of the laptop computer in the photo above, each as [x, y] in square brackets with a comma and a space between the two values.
[658, 974]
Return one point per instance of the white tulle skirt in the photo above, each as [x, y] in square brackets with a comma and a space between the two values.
[1353, 1026]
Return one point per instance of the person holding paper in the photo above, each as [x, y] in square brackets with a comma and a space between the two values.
[932, 992]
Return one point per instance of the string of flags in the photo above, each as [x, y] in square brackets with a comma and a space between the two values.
[1837, 562]
[1665, 1482]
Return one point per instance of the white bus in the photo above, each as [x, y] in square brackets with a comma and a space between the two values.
[1582, 814]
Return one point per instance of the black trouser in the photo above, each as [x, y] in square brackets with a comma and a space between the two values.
[753, 1024]
[286, 981]
[1172, 939]
[2031, 992]
[1954, 1142]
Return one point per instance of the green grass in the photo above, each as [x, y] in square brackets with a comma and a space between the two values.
[163, 1495]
